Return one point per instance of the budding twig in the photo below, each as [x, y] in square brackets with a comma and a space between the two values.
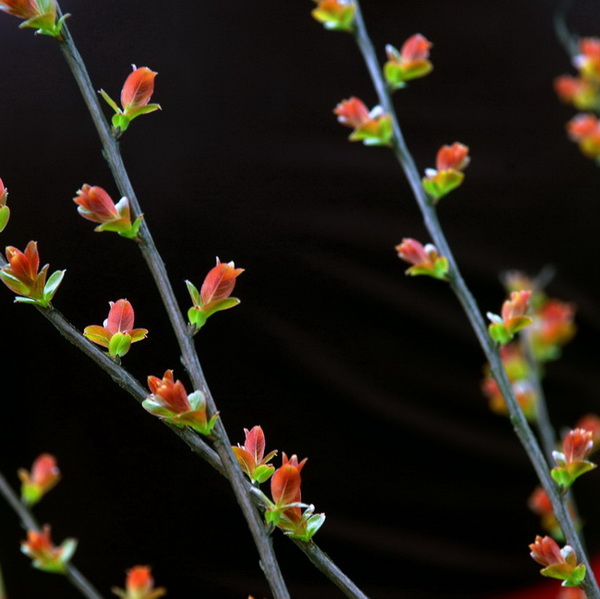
[462, 292]
[76, 578]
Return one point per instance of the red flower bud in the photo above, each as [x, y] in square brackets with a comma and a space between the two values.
[44, 476]
[117, 332]
[139, 585]
[21, 276]
[45, 555]
[137, 89]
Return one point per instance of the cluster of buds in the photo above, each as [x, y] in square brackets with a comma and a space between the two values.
[286, 508]
[37, 14]
[553, 327]
[584, 130]
[336, 15]
[425, 260]
[513, 317]
[22, 276]
[135, 99]
[449, 163]
[558, 563]
[139, 584]
[117, 332]
[410, 62]
[553, 320]
[214, 295]
[251, 456]
[4, 209]
[583, 91]
[571, 462]
[170, 402]
[373, 128]
[45, 555]
[43, 477]
[94, 203]
[518, 372]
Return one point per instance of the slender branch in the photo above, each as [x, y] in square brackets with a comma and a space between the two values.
[569, 41]
[75, 577]
[324, 563]
[542, 418]
[466, 299]
[189, 356]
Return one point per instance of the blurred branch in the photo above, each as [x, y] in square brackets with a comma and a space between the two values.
[28, 521]
[462, 292]
[569, 41]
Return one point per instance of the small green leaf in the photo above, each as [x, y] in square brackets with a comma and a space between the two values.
[499, 333]
[263, 473]
[110, 101]
[132, 114]
[194, 293]
[52, 284]
[196, 317]
[223, 304]
[119, 345]
[4, 216]
[272, 517]
[197, 400]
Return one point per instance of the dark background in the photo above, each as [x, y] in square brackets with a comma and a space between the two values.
[340, 357]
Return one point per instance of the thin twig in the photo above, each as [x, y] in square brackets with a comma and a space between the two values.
[129, 384]
[75, 577]
[190, 359]
[569, 41]
[462, 292]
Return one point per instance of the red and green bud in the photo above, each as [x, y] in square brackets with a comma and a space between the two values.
[588, 59]
[448, 175]
[117, 332]
[425, 260]
[139, 584]
[336, 15]
[38, 14]
[553, 327]
[251, 456]
[558, 563]
[214, 295]
[43, 477]
[571, 462]
[21, 276]
[410, 62]
[45, 555]
[170, 402]
[582, 94]
[514, 317]
[584, 129]
[285, 511]
[373, 128]
[4, 209]
[135, 98]
[94, 203]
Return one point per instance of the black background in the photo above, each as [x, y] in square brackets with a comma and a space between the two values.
[340, 357]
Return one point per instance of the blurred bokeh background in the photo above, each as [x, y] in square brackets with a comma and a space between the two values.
[374, 376]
